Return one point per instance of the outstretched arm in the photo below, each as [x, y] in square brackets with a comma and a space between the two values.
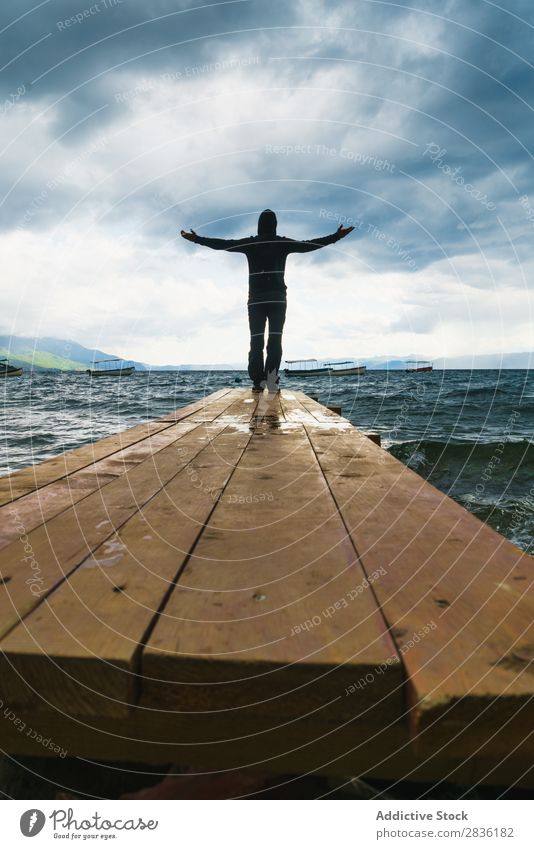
[216, 244]
[297, 246]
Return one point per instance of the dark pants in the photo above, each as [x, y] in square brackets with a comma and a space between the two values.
[273, 311]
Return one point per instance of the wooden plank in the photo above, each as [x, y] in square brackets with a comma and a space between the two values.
[296, 410]
[31, 510]
[26, 480]
[231, 740]
[448, 577]
[177, 415]
[31, 570]
[226, 743]
[273, 609]
[78, 649]
[261, 632]
[221, 408]
[321, 413]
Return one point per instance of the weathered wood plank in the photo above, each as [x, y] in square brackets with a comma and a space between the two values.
[318, 411]
[26, 480]
[52, 551]
[31, 510]
[274, 618]
[230, 394]
[220, 407]
[233, 739]
[450, 578]
[224, 740]
[295, 410]
[78, 649]
[273, 608]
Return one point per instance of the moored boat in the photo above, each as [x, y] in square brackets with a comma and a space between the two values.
[311, 368]
[418, 365]
[107, 368]
[7, 370]
[305, 368]
[342, 369]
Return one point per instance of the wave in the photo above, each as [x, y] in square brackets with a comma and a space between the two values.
[466, 391]
[492, 480]
[475, 456]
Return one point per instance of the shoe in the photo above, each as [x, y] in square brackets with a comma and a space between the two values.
[257, 388]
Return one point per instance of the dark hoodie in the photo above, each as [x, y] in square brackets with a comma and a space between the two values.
[266, 254]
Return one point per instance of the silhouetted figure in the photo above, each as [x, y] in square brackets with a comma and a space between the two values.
[266, 254]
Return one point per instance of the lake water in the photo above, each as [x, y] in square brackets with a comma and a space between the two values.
[468, 433]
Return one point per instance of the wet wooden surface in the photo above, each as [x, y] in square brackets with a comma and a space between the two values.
[250, 581]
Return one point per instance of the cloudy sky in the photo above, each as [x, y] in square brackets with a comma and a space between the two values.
[122, 122]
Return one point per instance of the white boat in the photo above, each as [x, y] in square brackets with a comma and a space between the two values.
[7, 370]
[108, 368]
[305, 368]
[342, 369]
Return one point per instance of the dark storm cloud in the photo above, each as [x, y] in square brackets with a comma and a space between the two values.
[447, 102]
[79, 46]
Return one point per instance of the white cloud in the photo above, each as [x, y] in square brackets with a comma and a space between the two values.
[182, 139]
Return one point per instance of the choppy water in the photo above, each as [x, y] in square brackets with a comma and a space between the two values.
[469, 433]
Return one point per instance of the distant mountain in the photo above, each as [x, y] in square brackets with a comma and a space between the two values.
[483, 361]
[46, 352]
[480, 361]
[523, 360]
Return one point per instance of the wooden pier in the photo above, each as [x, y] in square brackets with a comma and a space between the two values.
[251, 582]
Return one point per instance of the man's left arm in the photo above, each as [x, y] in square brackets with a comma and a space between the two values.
[297, 246]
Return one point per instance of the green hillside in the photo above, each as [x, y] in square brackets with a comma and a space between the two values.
[41, 360]
[47, 352]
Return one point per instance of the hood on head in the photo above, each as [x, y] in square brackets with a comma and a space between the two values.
[267, 223]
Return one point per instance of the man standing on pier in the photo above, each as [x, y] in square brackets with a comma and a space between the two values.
[266, 254]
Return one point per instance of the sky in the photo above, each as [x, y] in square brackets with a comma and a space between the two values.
[123, 121]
